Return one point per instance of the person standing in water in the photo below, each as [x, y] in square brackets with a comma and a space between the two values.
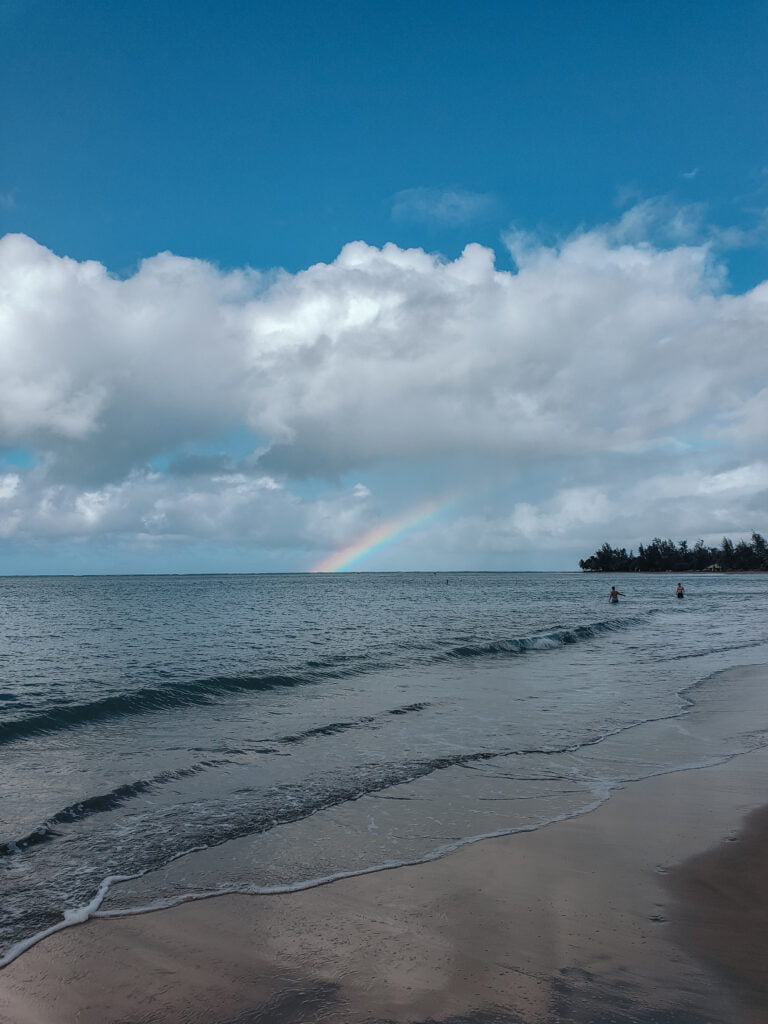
[680, 590]
[614, 595]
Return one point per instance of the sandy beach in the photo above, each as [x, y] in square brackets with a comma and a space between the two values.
[650, 909]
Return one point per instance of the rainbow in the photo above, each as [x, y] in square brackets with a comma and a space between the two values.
[380, 536]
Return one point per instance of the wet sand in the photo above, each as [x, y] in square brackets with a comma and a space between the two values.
[652, 909]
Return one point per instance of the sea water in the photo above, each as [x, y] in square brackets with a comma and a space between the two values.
[167, 737]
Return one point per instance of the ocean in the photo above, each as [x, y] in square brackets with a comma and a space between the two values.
[163, 738]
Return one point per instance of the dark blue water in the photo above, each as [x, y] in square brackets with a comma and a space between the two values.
[164, 737]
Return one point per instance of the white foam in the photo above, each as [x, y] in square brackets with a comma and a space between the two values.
[77, 915]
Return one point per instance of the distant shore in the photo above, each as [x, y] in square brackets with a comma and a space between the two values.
[679, 572]
[666, 556]
[652, 907]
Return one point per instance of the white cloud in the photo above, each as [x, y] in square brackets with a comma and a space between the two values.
[448, 207]
[741, 482]
[9, 484]
[749, 420]
[684, 505]
[580, 518]
[570, 510]
[153, 507]
[604, 347]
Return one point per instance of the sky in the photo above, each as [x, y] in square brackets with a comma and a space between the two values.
[379, 287]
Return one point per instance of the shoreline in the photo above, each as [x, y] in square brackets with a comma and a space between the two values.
[93, 908]
[651, 904]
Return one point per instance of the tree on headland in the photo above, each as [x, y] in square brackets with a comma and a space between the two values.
[726, 553]
[666, 556]
[760, 548]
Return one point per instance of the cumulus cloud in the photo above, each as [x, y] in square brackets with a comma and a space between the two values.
[155, 508]
[100, 374]
[687, 504]
[604, 346]
[590, 347]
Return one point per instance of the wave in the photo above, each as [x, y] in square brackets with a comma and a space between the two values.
[100, 804]
[290, 806]
[104, 802]
[543, 641]
[148, 699]
[407, 708]
[334, 728]
[723, 649]
[172, 696]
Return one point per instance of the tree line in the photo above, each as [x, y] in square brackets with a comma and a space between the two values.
[666, 556]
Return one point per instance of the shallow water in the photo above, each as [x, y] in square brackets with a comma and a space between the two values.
[211, 733]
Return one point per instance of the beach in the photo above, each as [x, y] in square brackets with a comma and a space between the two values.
[651, 908]
[380, 798]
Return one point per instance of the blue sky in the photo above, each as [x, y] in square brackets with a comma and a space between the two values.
[572, 142]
